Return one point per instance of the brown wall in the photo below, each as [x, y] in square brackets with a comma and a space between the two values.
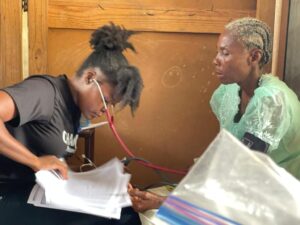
[175, 47]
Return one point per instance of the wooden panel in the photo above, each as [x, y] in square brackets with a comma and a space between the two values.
[280, 36]
[148, 16]
[10, 42]
[265, 11]
[38, 31]
[292, 69]
[174, 123]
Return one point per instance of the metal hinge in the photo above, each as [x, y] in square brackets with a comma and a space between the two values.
[25, 5]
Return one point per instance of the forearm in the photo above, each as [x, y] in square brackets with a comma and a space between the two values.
[14, 150]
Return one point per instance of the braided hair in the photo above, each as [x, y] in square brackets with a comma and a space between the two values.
[108, 43]
[253, 33]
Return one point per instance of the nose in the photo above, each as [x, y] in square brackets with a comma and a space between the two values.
[216, 60]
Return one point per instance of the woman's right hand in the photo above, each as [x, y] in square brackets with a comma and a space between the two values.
[50, 162]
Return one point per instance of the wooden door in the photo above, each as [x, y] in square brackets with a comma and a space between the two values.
[176, 46]
[10, 42]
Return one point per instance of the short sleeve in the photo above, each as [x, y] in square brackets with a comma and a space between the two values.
[34, 100]
[224, 103]
[216, 100]
[268, 117]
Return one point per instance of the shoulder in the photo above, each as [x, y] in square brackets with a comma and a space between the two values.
[224, 98]
[225, 87]
[33, 98]
[44, 80]
[271, 89]
[58, 84]
[222, 90]
[34, 83]
[31, 86]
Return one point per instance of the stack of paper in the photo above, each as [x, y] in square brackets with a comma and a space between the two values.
[101, 192]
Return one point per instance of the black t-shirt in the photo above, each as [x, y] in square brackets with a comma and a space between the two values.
[47, 121]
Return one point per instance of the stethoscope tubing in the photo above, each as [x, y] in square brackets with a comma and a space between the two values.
[124, 146]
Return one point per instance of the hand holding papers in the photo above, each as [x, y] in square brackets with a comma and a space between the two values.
[102, 191]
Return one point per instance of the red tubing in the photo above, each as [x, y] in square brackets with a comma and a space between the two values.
[127, 150]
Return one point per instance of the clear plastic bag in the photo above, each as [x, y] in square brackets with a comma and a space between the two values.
[231, 184]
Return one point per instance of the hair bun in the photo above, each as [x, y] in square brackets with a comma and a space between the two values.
[111, 37]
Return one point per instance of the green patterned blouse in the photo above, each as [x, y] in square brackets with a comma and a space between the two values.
[272, 114]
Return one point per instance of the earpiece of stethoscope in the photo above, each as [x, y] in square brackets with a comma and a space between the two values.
[101, 93]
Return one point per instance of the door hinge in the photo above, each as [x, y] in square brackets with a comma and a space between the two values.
[25, 5]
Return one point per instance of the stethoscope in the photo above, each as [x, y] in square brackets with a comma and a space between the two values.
[124, 146]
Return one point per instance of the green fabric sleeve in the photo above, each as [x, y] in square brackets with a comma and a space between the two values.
[216, 100]
[268, 117]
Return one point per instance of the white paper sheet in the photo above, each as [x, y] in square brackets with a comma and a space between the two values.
[102, 191]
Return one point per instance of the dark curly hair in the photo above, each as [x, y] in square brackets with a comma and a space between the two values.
[108, 43]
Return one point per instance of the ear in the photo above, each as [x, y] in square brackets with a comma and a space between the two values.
[88, 75]
[255, 55]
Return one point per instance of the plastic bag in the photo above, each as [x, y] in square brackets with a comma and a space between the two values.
[230, 184]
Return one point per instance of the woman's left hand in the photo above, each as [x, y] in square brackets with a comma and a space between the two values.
[144, 200]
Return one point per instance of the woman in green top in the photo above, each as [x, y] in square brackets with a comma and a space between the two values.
[257, 108]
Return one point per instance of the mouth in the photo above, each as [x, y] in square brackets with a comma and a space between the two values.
[218, 70]
[219, 73]
[90, 117]
[96, 115]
